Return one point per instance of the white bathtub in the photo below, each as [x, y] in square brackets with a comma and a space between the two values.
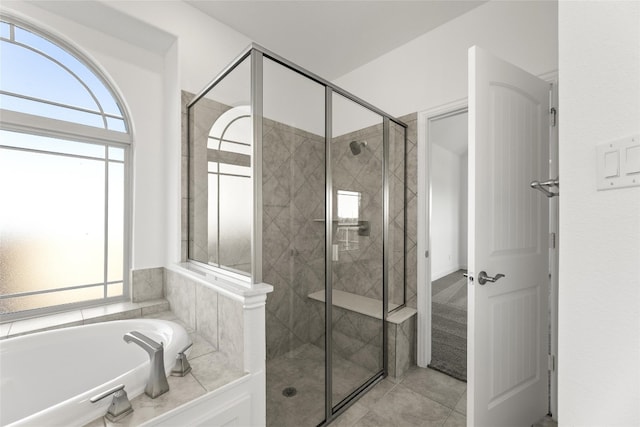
[47, 378]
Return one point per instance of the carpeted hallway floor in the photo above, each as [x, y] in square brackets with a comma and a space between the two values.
[449, 325]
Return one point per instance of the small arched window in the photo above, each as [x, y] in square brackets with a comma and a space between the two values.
[64, 154]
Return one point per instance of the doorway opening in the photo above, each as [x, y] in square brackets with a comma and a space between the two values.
[448, 165]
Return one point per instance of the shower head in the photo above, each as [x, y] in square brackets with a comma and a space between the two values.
[356, 146]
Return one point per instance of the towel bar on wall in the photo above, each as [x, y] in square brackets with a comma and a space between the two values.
[549, 183]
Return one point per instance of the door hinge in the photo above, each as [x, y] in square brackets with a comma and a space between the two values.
[426, 254]
[552, 240]
[551, 362]
[553, 117]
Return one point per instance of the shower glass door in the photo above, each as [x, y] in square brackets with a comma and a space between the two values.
[293, 245]
[357, 341]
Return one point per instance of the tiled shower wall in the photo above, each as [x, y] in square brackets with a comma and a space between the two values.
[411, 224]
[359, 270]
[293, 200]
[293, 233]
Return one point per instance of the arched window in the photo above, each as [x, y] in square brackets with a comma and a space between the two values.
[64, 154]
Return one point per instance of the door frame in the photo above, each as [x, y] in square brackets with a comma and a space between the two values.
[423, 291]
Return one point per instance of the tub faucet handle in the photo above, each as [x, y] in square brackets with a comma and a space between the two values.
[157, 383]
[120, 405]
[182, 366]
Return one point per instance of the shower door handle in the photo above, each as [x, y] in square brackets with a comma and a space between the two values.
[484, 278]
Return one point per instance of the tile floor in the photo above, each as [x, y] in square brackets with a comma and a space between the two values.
[423, 397]
[303, 368]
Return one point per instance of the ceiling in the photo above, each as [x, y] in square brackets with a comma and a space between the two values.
[332, 38]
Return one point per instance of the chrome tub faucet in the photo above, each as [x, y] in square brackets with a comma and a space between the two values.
[157, 383]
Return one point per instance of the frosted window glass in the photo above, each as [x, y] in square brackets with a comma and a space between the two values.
[235, 223]
[238, 148]
[51, 222]
[212, 215]
[116, 222]
[115, 290]
[348, 206]
[116, 154]
[234, 169]
[62, 202]
[32, 302]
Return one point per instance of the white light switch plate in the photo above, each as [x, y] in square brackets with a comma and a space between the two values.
[618, 163]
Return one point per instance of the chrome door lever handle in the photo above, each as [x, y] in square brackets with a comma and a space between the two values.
[549, 183]
[484, 278]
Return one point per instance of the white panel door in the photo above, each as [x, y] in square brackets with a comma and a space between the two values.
[508, 235]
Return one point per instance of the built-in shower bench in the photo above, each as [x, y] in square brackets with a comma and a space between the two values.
[359, 322]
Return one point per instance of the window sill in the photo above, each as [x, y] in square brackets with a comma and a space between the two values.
[117, 311]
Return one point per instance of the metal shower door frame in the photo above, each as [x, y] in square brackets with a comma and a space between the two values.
[257, 54]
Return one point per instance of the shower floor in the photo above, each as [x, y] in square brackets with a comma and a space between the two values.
[303, 368]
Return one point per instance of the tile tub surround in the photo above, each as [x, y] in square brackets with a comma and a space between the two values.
[228, 315]
[210, 371]
[222, 319]
[217, 317]
[146, 284]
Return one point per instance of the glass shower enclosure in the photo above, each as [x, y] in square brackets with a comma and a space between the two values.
[296, 183]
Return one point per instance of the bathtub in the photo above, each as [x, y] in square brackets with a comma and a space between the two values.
[47, 378]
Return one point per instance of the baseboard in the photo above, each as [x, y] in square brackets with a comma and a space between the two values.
[447, 272]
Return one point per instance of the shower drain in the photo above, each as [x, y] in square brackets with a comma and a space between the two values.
[289, 392]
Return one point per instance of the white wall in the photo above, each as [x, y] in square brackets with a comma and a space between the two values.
[431, 70]
[206, 45]
[446, 209]
[599, 291]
